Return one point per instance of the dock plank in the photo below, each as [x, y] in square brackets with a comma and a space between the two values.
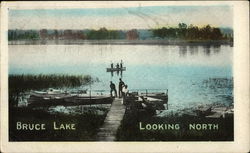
[112, 122]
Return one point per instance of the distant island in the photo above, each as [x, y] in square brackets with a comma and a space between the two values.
[182, 33]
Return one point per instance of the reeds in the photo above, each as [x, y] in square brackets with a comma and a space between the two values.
[26, 82]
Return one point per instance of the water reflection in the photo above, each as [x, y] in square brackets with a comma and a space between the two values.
[182, 51]
[207, 50]
[193, 49]
[44, 58]
[217, 49]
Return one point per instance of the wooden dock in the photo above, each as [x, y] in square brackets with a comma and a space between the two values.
[112, 122]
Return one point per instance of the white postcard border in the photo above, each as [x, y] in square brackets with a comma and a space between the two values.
[241, 89]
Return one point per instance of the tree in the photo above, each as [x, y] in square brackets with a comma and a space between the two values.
[182, 30]
[206, 32]
[43, 33]
[103, 33]
[216, 34]
[132, 34]
[56, 34]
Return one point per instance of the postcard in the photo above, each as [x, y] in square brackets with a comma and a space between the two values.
[120, 76]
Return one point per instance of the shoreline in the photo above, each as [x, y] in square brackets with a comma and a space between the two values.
[121, 42]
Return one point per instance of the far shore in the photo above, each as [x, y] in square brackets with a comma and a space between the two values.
[120, 42]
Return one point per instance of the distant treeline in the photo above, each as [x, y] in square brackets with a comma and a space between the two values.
[22, 83]
[87, 34]
[103, 33]
[182, 31]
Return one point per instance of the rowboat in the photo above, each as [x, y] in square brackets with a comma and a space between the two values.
[49, 95]
[88, 100]
[46, 99]
[116, 69]
[38, 98]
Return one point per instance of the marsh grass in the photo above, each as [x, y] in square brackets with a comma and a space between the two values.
[22, 83]
[41, 81]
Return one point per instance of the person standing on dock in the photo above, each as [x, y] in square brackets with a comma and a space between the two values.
[112, 88]
[112, 65]
[117, 66]
[124, 93]
[121, 84]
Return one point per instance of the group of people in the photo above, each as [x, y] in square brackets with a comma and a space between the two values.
[117, 65]
[123, 89]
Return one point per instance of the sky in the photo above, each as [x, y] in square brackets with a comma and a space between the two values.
[141, 17]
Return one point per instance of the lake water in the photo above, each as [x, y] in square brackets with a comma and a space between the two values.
[193, 75]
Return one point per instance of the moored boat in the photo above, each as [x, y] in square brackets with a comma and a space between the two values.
[50, 98]
[146, 104]
[89, 100]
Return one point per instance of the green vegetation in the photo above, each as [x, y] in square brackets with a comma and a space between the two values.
[29, 35]
[27, 82]
[190, 32]
[103, 33]
[21, 83]
[181, 32]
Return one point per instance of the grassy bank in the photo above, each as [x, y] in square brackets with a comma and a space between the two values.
[130, 129]
[86, 125]
[22, 83]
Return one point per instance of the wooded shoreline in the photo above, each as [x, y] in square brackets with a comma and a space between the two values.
[121, 42]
